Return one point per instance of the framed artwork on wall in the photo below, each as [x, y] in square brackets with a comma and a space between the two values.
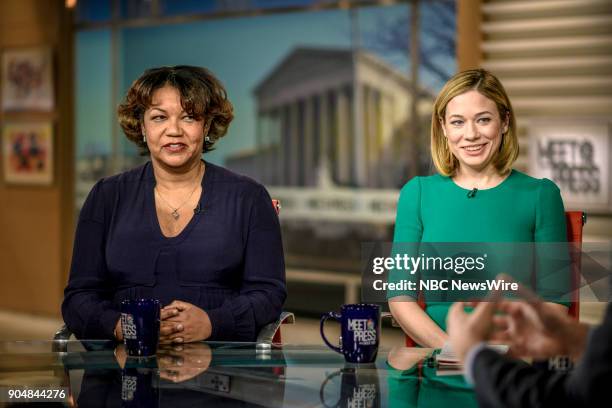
[27, 150]
[27, 80]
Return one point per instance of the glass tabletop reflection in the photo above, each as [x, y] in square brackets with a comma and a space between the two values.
[99, 374]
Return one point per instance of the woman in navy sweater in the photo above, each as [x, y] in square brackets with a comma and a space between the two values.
[204, 241]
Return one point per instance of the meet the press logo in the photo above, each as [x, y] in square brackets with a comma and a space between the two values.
[364, 331]
[128, 326]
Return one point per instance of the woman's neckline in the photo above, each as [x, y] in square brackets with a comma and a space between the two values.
[203, 203]
[498, 185]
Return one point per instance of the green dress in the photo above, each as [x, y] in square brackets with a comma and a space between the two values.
[521, 209]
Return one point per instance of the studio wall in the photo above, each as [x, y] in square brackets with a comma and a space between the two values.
[36, 222]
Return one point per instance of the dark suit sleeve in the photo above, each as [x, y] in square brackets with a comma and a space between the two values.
[87, 306]
[262, 293]
[504, 382]
[591, 381]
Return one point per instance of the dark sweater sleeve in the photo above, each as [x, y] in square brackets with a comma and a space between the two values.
[263, 291]
[87, 306]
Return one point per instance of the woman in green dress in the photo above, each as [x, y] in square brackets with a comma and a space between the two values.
[476, 195]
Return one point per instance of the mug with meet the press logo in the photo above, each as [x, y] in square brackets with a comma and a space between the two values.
[140, 326]
[360, 331]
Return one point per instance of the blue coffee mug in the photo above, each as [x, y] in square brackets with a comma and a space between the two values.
[140, 326]
[360, 328]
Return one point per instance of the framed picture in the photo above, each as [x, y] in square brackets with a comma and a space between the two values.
[28, 153]
[27, 79]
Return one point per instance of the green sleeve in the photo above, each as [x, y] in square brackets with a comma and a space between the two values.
[408, 223]
[408, 232]
[550, 214]
[553, 274]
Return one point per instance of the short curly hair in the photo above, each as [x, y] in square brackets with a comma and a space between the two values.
[202, 96]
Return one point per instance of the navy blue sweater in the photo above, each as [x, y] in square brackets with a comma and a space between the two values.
[228, 260]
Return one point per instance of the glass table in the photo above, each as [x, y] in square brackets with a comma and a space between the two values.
[98, 374]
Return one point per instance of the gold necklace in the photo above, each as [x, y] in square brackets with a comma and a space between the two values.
[175, 214]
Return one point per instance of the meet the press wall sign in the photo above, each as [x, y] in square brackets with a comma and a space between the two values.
[576, 156]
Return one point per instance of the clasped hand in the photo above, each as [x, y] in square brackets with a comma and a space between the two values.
[182, 322]
[531, 327]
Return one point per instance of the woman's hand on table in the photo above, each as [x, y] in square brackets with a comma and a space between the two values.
[404, 358]
[178, 363]
[182, 322]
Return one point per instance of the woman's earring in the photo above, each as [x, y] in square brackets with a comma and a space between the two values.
[207, 139]
[144, 138]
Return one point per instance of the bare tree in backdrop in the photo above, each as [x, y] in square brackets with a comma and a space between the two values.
[433, 28]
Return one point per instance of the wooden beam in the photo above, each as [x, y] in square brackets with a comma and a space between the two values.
[469, 34]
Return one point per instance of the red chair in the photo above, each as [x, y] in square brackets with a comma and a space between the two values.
[575, 221]
[285, 318]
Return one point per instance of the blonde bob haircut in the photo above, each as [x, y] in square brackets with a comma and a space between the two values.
[488, 85]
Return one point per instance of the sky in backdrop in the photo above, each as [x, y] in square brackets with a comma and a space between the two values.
[240, 51]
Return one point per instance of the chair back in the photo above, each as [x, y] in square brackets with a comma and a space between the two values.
[574, 221]
[277, 335]
[277, 206]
